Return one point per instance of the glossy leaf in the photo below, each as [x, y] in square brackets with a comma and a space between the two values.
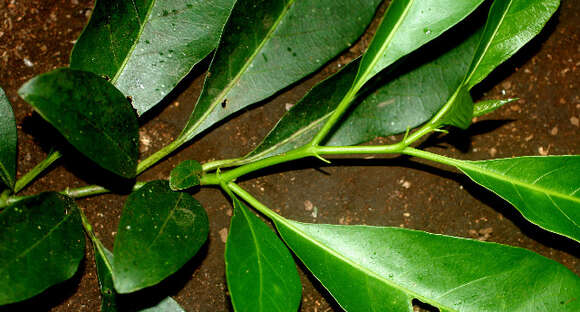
[159, 231]
[91, 114]
[409, 99]
[41, 244]
[407, 25]
[486, 107]
[546, 190]
[268, 45]
[146, 47]
[185, 175]
[8, 142]
[511, 24]
[383, 269]
[104, 260]
[260, 271]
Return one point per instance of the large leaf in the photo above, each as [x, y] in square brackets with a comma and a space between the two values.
[41, 244]
[146, 47]
[415, 94]
[104, 260]
[510, 25]
[260, 271]
[8, 142]
[159, 231]
[383, 269]
[407, 25]
[91, 114]
[546, 190]
[268, 45]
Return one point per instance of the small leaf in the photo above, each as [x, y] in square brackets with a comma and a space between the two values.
[546, 190]
[185, 175]
[159, 231]
[369, 268]
[268, 45]
[8, 142]
[260, 271]
[147, 47]
[486, 107]
[91, 114]
[511, 24]
[41, 244]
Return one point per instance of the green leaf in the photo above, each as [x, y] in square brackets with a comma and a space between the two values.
[511, 24]
[104, 260]
[260, 271]
[8, 142]
[486, 107]
[185, 175]
[546, 190]
[159, 231]
[414, 95]
[41, 244]
[268, 45]
[407, 25]
[383, 269]
[146, 47]
[91, 114]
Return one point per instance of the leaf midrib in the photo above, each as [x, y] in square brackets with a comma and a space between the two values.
[258, 252]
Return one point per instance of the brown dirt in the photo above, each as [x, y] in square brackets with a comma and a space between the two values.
[37, 36]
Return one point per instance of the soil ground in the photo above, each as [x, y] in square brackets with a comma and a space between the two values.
[37, 36]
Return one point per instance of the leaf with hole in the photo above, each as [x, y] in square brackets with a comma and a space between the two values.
[369, 268]
[260, 271]
[159, 231]
[91, 114]
[185, 175]
[41, 244]
[147, 47]
[545, 190]
[268, 45]
[8, 142]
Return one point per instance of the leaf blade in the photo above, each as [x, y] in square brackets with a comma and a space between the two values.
[260, 271]
[8, 142]
[149, 46]
[379, 268]
[41, 244]
[185, 175]
[543, 189]
[91, 114]
[159, 231]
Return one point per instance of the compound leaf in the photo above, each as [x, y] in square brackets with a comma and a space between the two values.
[8, 142]
[41, 244]
[369, 268]
[159, 231]
[146, 47]
[91, 114]
[268, 45]
[260, 271]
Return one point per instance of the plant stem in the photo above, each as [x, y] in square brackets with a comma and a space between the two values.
[433, 157]
[336, 115]
[254, 202]
[160, 154]
[37, 170]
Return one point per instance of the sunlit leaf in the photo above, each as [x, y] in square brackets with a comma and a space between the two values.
[146, 47]
[486, 107]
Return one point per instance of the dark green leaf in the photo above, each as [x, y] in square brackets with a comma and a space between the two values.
[511, 24]
[41, 244]
[8, 142]
[159, 231]
[407, 25]
[415, 94]
[383, 269]
[104, 260]
[185, 175]
[546, 190]
[146, 47]
[91, 114]
[260, 271]
[486, 107]
[460, 112]
[268, 45]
